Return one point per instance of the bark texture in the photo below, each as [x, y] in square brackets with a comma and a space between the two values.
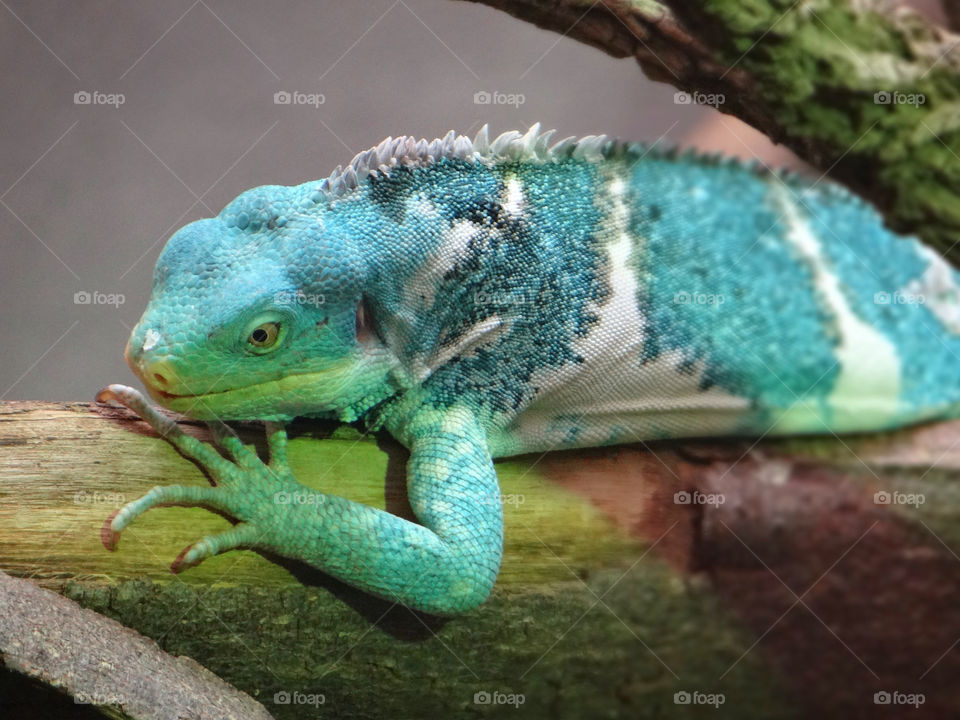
[806, 576]
[866, 92]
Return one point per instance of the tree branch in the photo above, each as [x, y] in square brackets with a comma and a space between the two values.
[870, 521]
[870, 97]
[952, 11]
[100, 662]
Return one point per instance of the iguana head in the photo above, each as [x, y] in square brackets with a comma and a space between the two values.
[258, 314]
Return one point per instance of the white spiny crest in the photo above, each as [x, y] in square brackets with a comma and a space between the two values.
[531, 147]
[406, 151]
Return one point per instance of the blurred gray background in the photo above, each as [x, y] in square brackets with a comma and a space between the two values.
[90, 191]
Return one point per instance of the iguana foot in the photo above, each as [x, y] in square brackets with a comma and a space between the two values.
[246, 488]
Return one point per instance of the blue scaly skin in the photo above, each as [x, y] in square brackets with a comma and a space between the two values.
[480, 299]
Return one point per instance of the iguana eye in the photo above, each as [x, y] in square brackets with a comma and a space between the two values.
[265, 335]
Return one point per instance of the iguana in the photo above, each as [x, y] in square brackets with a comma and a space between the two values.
[482, 299]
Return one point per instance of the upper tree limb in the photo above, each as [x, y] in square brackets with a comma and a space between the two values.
[805, 74]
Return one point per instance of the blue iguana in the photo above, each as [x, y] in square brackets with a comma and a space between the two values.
[482, 299]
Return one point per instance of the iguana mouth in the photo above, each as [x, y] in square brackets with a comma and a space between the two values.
[167, 395]
[158, 393]
[295, 393]
[247, 402]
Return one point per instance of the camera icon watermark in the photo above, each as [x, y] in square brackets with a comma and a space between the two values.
[883, 497]
[95, 97]
[298, 497]
[686, 497]
[84, 297]
[287, 697]
[698, 298]
[893, 97]
[295, 97]
[895, 697]
[695, 697]
[898, 298]
[484, 97]
[484, 697]
[298, 297]
[98, 698]
[698, 98]
[500, 297]
[515, 499]
[111, 499]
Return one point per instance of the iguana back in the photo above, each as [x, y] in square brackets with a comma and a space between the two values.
[604, 292]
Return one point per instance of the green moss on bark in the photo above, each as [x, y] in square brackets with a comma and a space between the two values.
[569, 655]
[855, 91]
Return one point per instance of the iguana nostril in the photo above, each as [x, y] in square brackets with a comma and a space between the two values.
[157, 373]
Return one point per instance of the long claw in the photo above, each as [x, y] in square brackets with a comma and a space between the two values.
[134, 400]
[202, 452]
[179, 564]
[161, 495]
[108, 536]
[237, 536]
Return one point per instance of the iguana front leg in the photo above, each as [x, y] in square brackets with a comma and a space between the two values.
[446, 565]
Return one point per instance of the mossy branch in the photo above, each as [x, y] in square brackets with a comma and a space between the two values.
[614, 594]
[868, 95]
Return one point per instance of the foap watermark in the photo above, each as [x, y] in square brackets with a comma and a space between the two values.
[113, 499]
[499, 297]
[484, 697]
[286, 697]
[298, 497]
[699, 98]
[893, 97]
[685, 497]
[295, 97]
[298, 297]
[882, 497]
[483, 97]
[895, 697]
[898, 298]
[98, 698]
[84, 297]
[695, 697]
[698, 298]
[515, 499]
[95, 97]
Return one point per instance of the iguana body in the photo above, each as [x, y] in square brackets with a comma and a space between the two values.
[484, 299]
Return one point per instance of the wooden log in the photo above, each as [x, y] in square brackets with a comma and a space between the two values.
[771, 575]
